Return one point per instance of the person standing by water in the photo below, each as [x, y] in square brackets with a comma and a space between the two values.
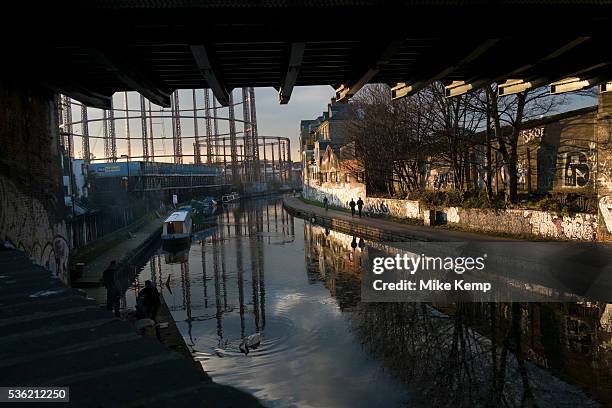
[360, 205]
[325, 203]
[352, 205]
[113, 294]
[148, 301]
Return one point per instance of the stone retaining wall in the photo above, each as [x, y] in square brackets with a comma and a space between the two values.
[341, 196]
[525, 222]
[507, 222]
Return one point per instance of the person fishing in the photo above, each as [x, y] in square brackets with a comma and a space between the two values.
[352, 205]
[148, 301]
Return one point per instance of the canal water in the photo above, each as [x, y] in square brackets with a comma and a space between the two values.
[260, 270]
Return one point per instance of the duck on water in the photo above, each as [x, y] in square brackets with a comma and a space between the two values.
[251, 342]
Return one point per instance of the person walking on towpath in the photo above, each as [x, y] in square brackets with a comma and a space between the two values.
[352, 205]
[360, 205]
[325, 203]
[113, 294]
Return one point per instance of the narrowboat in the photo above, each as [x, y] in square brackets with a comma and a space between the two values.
[177, 227]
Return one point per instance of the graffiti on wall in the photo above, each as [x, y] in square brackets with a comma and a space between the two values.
[526, 222]
[338, 196]
[438, 179]
[604, 175]
[576, 172]
[25, 224]
[377, 208]
[605, 209]
[532, 135]
[541, 223]
[372, 205]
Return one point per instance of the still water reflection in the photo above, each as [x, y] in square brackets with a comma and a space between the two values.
[261, 270]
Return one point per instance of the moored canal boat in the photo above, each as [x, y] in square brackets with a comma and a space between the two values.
[177, 228]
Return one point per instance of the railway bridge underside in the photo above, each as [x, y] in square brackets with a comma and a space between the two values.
[90, 50]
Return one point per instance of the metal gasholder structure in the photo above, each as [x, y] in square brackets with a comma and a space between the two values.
[235, 153]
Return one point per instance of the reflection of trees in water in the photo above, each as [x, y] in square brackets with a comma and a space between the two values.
[440, 357]
[466, 354]
[451, 363]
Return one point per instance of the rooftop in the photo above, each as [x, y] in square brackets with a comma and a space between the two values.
[179, 216]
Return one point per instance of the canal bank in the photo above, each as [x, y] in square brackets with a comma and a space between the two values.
[128, 247]
[85, 348]
[123, 246]
[377, 228]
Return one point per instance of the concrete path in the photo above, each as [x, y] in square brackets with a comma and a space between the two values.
[52, 335]
[387, 230]
[92, 272]
[123, 252]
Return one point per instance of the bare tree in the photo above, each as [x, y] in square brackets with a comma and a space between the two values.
[507, 115]
[456, 123]
[394, 140]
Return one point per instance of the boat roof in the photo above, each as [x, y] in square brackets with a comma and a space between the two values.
[177, 216]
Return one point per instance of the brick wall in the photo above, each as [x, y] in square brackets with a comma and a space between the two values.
[31, 197]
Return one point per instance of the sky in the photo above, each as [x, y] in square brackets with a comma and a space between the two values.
[273, 119]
